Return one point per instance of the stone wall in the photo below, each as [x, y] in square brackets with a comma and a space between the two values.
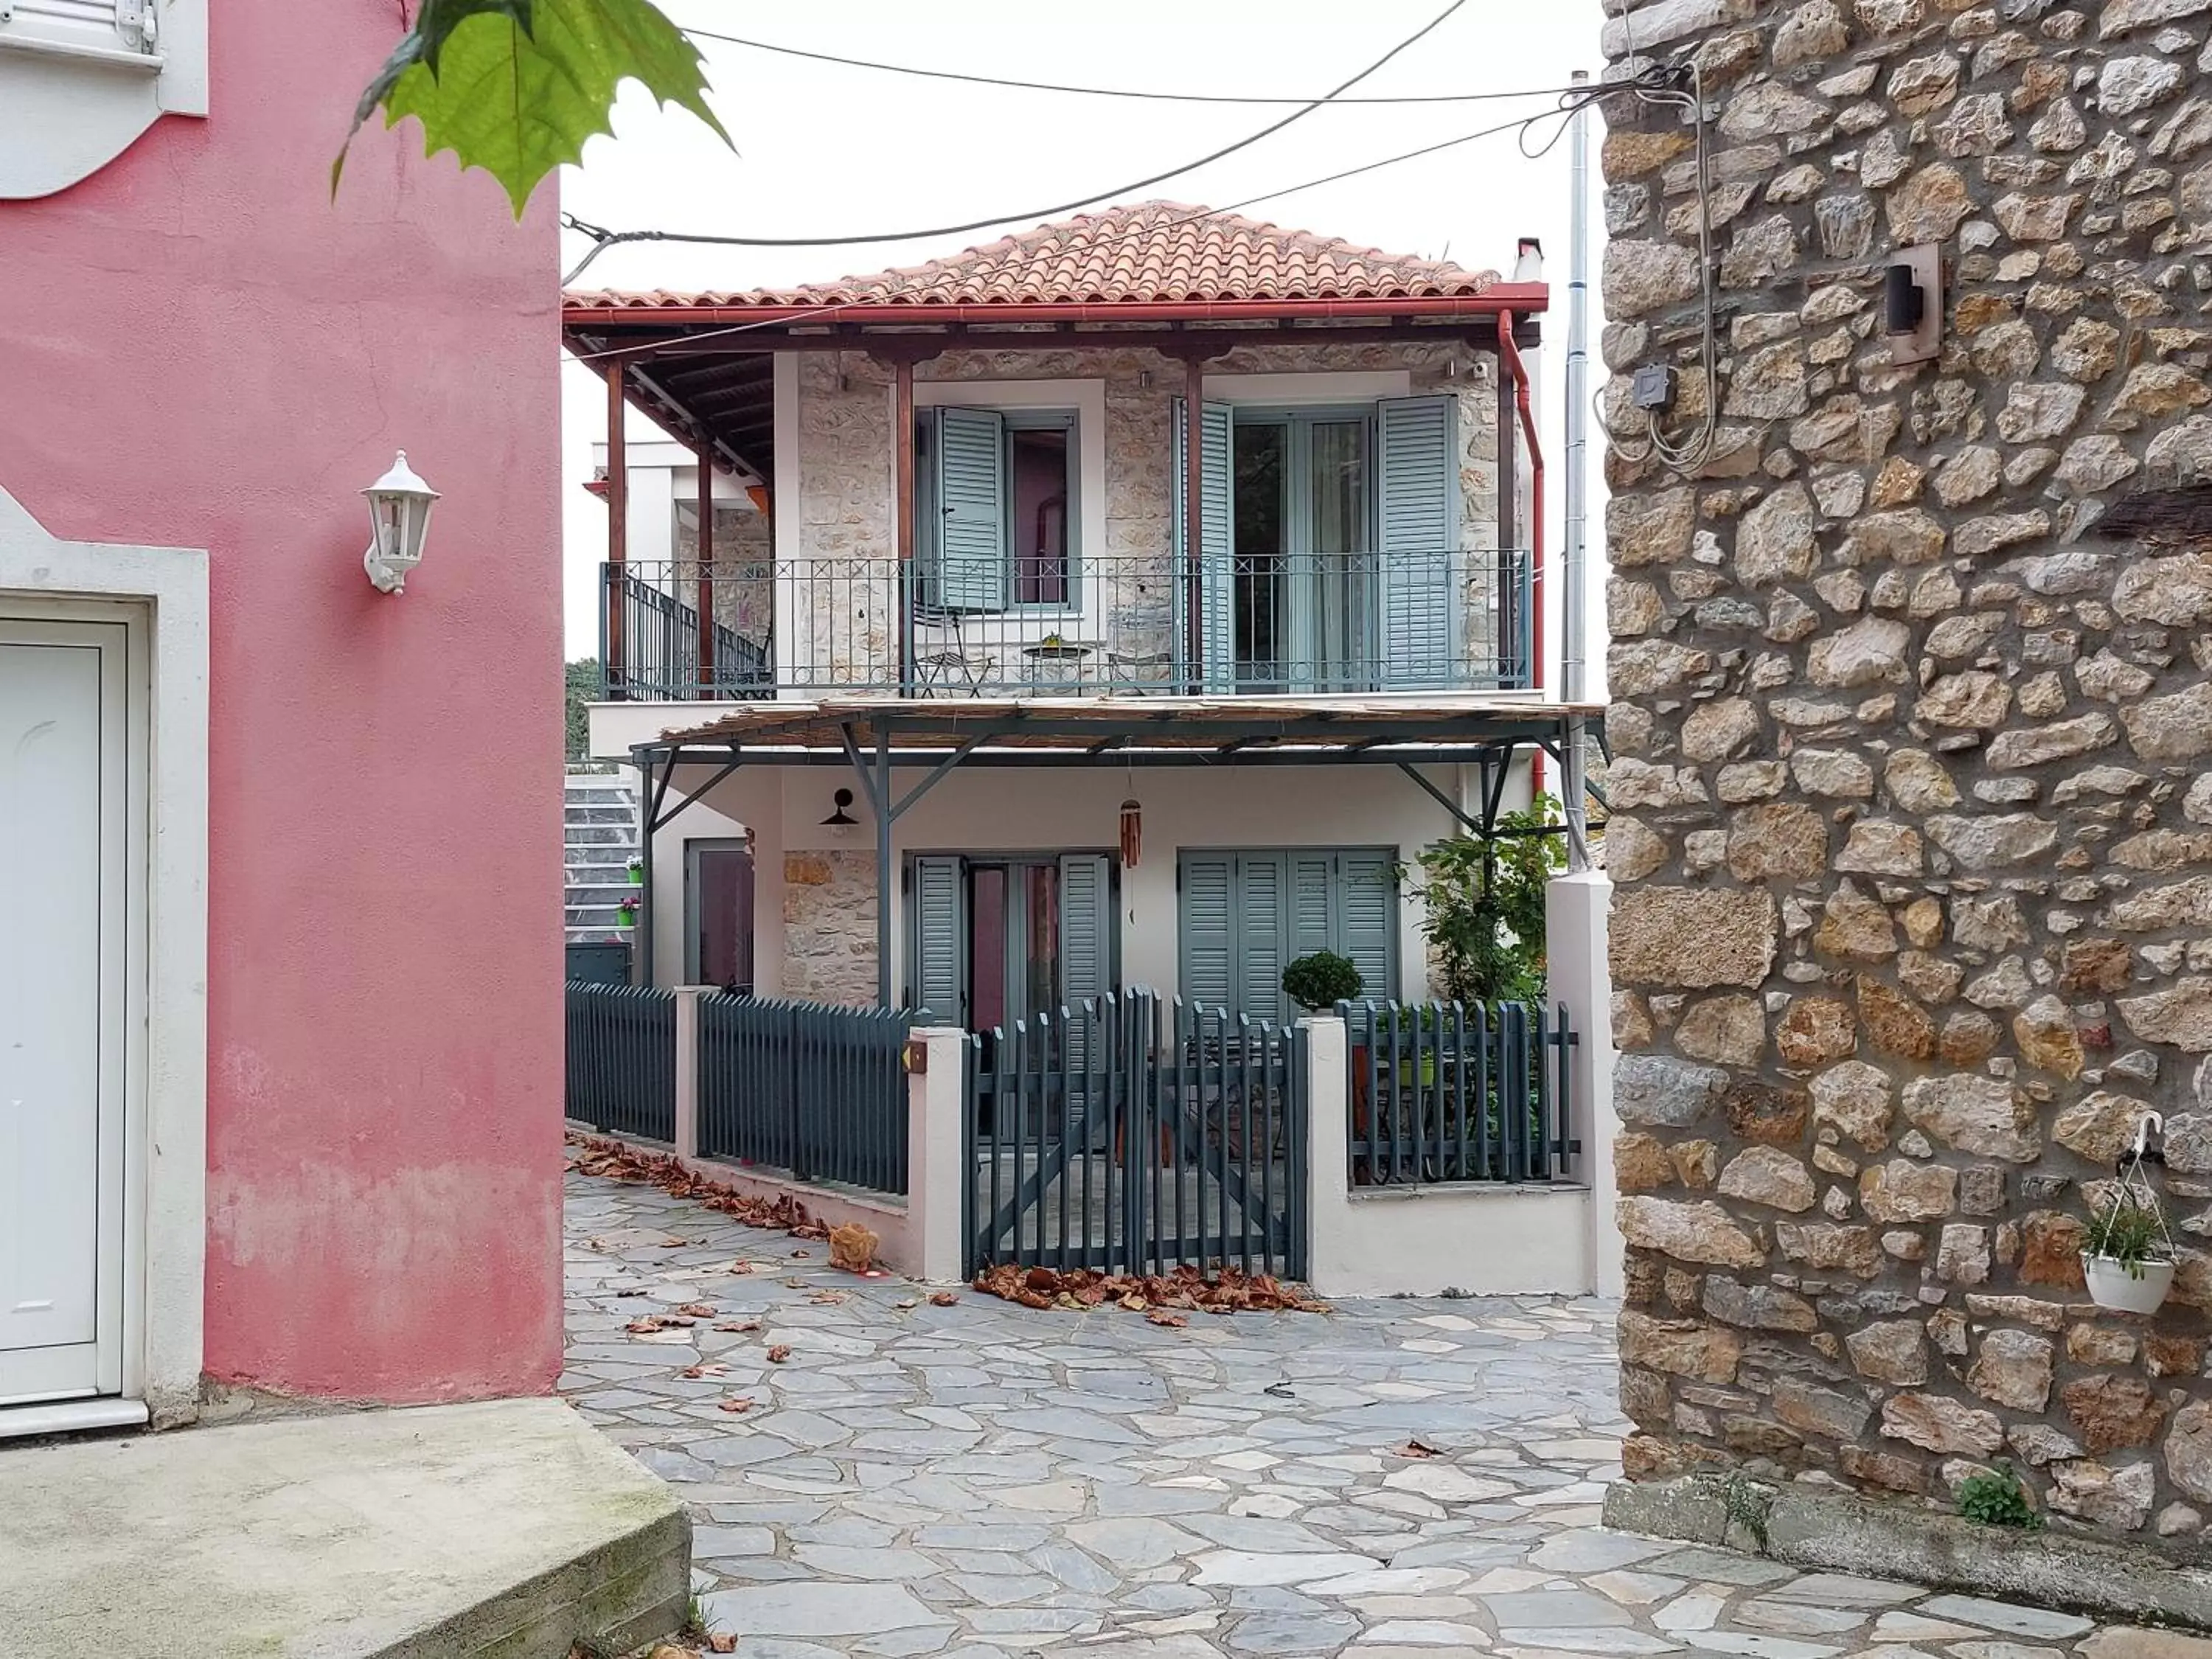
[829, 926]
[843, 531]
[1910, 818]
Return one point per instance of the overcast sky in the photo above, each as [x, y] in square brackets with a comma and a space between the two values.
[827, 150]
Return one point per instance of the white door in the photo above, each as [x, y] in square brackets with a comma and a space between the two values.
[64, 812]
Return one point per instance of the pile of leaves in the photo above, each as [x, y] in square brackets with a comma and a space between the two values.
[1162, 1297]
[594, 1155]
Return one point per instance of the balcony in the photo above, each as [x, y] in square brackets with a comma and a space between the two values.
[1130, 625]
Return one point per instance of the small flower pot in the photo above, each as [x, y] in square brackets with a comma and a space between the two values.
[2111, 1284]
[637, 875]
[626, 917]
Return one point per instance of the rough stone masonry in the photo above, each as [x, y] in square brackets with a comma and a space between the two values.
[1911, 814]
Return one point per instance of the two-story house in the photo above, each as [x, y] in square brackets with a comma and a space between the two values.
[1127, 601]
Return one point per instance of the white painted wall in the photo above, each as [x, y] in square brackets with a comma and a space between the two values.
[995, 809]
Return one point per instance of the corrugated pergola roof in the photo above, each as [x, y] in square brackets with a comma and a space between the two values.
[1183, 731]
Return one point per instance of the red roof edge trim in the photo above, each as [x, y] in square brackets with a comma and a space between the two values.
[1520, 298]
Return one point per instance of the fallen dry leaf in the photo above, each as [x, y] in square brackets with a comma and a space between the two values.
[1415, 1449]
[698, 1309]
[830, 1298]
[1226, 1292]
[942, 1299]
[700, 1371]
[738, 1406]
[740, 1326]
[1174, 1321]
[596, 1155]
[800, 1255]
[779, 1353]
[907, 1302]
[741, 1267]
[721, 1643]
[646, 1325]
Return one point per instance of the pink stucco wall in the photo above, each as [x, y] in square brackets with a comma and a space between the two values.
[198, 348]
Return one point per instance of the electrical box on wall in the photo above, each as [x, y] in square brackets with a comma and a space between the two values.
[1653, 388]
[1912, 304]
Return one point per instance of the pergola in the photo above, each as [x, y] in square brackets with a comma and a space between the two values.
[873, 735]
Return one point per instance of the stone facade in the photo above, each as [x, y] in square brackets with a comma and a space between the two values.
[1914, 847]
[840, 540]
[741, 569]
[829, 926]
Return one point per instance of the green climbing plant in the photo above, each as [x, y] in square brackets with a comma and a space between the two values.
[1485, 906]
[1996, 1498]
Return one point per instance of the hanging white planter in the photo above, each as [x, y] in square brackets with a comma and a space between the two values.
[2128, 1263]
[2138, 1290]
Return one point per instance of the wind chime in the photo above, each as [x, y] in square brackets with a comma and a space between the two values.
[1132, 821]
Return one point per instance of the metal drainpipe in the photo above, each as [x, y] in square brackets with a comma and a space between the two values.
[1575, 554]
[1509, 356]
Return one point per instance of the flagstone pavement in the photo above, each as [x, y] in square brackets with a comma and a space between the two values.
[981, 1482]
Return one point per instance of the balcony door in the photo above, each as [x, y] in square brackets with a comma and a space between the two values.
[1303, 587]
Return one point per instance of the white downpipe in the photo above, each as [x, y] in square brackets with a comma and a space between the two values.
[1573, 677]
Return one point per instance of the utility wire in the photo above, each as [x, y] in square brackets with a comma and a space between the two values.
[606, 238]
[1087, 92]
[1567, 108]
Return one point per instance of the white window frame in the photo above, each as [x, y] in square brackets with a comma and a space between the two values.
[1084, 613]
[71, 101]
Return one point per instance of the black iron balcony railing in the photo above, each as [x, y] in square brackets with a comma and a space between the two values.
[1124, 625]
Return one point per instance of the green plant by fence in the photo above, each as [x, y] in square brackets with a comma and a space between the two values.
[1440, 1092]
[816, 1091]
[621, 1059]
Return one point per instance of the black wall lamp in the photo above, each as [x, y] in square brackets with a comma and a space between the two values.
[1912, 304]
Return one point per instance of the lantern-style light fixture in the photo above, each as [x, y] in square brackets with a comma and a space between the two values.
[399, 506]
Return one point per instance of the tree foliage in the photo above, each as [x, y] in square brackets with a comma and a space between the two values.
[583, 686]
[1484, 902]
[515, 87]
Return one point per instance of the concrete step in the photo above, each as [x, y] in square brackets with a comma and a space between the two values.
[604, 895]
[598, 856]
[597, 834]
[507, 1528]
[593, 812]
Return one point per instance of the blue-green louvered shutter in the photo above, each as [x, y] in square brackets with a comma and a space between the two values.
[971, 509]
[1208, 912]
[1313, 904]
[1216, 531]
[1261, 923]
[1417, 524]
[1367, 903]
[940, 939]
[1086, 944]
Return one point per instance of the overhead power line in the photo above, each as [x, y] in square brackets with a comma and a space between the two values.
[606, 240]
[1568, 104]
[1146, 94]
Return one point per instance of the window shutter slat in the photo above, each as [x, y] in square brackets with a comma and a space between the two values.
[1086, 942]
[940, 939]
[1261, 911]
[1216, 529]
[1367, 899]
[971, 502]
[1208, 948]
[1418, 523]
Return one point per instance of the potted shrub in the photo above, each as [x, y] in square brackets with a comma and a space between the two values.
[2128, 1258]
[627, 911]
[1319, 981]
[637, 871]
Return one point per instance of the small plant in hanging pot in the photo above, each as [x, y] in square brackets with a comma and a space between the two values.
[627, 911]
[2128, 1259]
[637, 871]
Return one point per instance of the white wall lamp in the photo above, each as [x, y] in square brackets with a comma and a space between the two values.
[399, 506]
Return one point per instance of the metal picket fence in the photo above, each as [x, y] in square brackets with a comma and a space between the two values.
[1440, 1092]
[621, 1059]
[819, 1091]
[1136, 1133]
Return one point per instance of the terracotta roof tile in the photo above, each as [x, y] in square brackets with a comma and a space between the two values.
[1153, 251]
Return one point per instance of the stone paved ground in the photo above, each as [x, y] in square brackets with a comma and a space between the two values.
[981, 1480]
